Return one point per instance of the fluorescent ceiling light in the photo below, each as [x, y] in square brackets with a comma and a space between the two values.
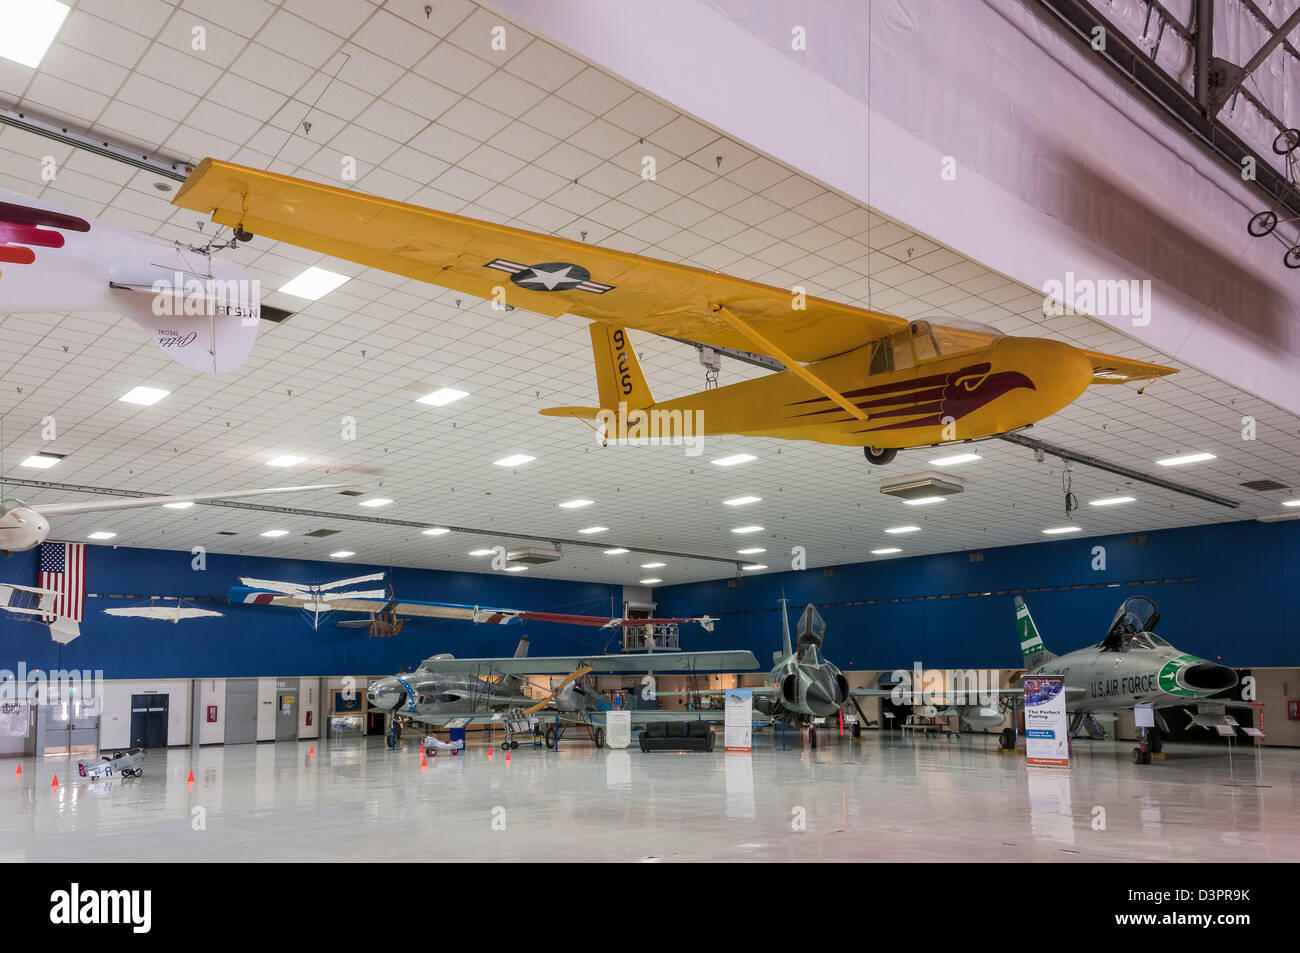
[653, 565]
[342, 554]
[587, 531]
[1292, 503]
[183, 505]
[742, 500]
[144, 396]
[923, 500]
[954, 459]
[285, 460]
[1186, 458]
[442, 397]
[516, 568]
[40, 461]
[276, 533]
[742, 530]
[886, 551]
[314, 283]
[480, 552]
[101, 535]
[574, 504]
[650, 582]
[616, 552]
[514, 460]
[732, 460]
[29, 29]
[753, 566]
[1059, 530]
[752, 551]
[436, 531]
[376, 501]
[1111, 501]
[895, 530]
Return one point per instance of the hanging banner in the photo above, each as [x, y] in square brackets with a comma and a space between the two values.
[738, 727]
[1047, 738]
[13, 719]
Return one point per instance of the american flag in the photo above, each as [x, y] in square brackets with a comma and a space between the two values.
[63, 569]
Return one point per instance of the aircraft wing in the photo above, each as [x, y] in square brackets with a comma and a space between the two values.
[541, 273]
[722, 661]
[1109, 369]
[162, 613]
[133, 502]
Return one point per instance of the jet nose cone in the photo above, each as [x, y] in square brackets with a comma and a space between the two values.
[385, 694]
[823, 696]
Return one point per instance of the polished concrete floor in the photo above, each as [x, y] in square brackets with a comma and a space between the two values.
[884, 798]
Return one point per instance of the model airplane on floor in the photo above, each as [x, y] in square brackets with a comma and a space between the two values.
[852, 376]
[24, 527]
[487, 689]
[201, 311]
[379, 603]
[126, 763]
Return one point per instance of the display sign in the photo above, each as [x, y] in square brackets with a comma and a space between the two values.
[1047, 738]
[738, 726]
[618, 729]
[13, 719]
[1144, 716]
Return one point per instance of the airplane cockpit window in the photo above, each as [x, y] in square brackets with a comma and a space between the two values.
[892, 353]
[1132, 626]
[8, 504]
[947, 336]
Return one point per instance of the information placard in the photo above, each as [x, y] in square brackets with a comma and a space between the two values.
[1047, 740]
[738, 727]
[618, 729]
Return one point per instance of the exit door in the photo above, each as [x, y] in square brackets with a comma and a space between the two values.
[286, 716]
[149, 721]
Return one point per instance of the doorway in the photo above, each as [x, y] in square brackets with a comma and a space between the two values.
[286, 711]
[149, 721]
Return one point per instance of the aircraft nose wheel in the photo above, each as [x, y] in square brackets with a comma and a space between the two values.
[1007, 739]
[1141, 757]
[879, 457]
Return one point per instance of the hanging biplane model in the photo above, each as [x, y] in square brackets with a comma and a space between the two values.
[30, 603]
[201, 311]
[24, 527]
[852, 376]
[383, 608]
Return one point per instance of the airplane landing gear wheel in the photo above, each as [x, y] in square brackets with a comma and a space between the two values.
[878, 457]
[505, 746]
[1141, 757]
[1261, 223]
[1292, 257]
[514, 744]
[1007, 738]
[600, 737]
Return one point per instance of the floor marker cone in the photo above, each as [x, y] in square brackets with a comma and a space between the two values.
[190, 779]
[19, 772]
[311, 750]
[55, 782]
[423, 762]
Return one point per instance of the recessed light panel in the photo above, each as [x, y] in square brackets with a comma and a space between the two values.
[442, 397]
[514, 460]
[734, 459]
[29, 27]
[1185, 459]
[144, 396]
[314, 284]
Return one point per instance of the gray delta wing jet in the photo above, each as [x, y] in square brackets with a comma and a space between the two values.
[1131, 666]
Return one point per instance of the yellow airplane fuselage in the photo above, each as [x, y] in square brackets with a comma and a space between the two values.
[983, 392]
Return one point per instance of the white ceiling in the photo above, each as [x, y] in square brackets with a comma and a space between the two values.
[435, 117]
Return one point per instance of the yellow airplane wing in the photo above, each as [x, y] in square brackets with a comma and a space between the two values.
[1109, 369]
[539, 273]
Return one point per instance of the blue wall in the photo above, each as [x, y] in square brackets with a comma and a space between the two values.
[1243, 606]
[266, 640]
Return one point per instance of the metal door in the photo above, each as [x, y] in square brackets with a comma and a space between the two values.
[149, 721]
[241, 710]
[286, 713]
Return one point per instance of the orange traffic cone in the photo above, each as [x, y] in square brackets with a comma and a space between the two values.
[190, 779]
[423, 761]
[19, 772]
[55, 782]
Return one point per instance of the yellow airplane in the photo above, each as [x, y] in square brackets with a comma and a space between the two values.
[853, 377]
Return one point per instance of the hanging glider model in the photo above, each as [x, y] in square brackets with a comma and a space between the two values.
[377, 602]
[852, 376]
[173, 614]
[201, 311]
[24, 527]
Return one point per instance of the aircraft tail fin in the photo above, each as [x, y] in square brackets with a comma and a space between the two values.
[1031, 644]
[618, 373]
[521, 651]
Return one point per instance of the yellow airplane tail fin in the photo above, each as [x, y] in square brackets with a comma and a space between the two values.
[618, 373]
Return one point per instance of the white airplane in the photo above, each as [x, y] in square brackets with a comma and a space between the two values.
[173, 614]
[33, 601]
[432, 745]
[201, 311]
[24, 527]
[125, 763]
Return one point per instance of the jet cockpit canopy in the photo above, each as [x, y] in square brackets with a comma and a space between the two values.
[1134, 627]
